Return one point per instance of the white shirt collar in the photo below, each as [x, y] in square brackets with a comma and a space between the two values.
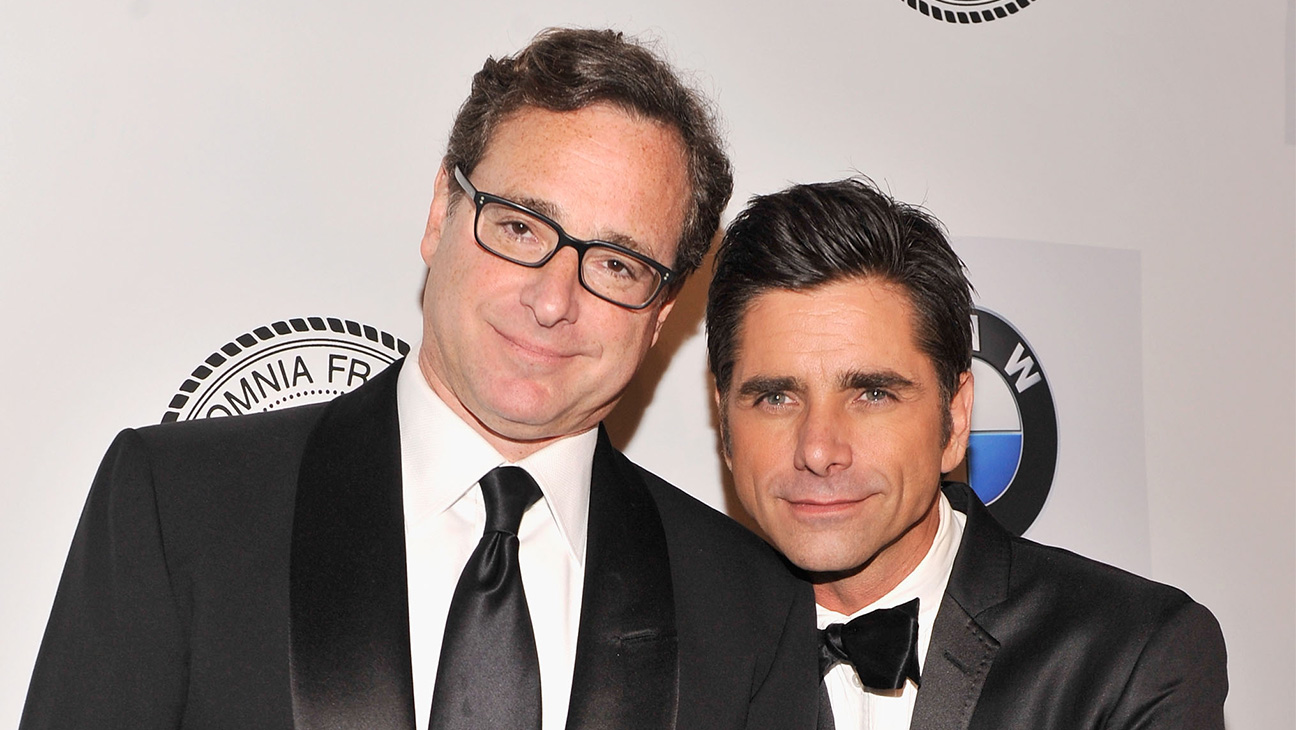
[442, 457]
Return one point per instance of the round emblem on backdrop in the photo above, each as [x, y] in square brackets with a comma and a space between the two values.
[289, 363]
[968, 11]
[1012, 451]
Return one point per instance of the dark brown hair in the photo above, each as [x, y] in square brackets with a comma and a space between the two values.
[569, 69]
[811, 235]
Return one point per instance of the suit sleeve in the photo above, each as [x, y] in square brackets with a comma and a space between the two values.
[112, 655]
[1180, 679]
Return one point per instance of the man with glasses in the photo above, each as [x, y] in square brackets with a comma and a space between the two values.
[456, 544]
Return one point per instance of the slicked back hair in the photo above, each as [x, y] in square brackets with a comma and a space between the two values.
[811, 235]
[565, 70]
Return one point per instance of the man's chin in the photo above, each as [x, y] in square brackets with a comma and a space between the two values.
[823, 565]
[521, 427]
[528, 427]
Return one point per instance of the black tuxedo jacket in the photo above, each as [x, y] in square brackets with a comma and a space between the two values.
[1030, 636]
[250, 573]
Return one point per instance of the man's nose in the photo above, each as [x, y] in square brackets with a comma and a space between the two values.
[553, 291]
[823, 443]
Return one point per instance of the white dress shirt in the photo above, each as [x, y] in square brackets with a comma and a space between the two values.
[855, 707]
[442, 459]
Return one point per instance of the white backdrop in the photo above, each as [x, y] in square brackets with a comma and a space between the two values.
[174, 174]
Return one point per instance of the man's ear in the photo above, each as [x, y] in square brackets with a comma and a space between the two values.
[960, 410]
[662, 314]
[724, 427]
[437, 213]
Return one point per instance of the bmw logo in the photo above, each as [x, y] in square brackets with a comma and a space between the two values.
[1012, 451]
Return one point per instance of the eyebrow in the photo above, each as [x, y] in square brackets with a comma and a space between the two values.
[543, 207]
[865, 380]
[551, 211]
[851, 380]
[760, 384]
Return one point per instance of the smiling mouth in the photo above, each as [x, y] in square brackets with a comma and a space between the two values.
[533, 350]
[827, 507]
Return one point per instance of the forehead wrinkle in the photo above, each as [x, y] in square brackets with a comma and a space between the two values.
[601, 141]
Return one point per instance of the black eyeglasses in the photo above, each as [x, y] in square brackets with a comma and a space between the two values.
[516, 233]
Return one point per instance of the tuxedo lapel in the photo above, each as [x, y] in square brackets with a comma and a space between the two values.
[958, 658]
[962, 651]
[626, 673]
[350, 650]
[350, 657]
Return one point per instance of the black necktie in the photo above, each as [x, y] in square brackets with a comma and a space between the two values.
[882, 645]
[489, 674]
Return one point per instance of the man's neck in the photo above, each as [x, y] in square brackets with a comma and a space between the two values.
[848, 592]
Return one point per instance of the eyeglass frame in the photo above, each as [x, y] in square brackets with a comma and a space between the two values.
[480, 199]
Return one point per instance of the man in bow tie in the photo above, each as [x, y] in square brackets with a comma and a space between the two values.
[456, 544]
[838, 335]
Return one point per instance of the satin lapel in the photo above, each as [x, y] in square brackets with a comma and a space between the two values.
[962, 651]
[350, 657]
[958, 660]
[626, 673]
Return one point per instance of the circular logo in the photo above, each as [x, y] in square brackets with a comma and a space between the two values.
[1012, 451]
[968, 11]
[290, 363]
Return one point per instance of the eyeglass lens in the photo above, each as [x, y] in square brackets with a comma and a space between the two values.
[526, 239]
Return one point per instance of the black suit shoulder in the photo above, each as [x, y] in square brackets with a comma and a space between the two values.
[701, 535]
[174, 594]
[219, 446]
[222, 487]
[1079, 643]
[996, 573]
[1071, 587]
[736, 597]
[1140, 639]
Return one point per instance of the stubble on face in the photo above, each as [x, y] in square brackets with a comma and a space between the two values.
[835, 422]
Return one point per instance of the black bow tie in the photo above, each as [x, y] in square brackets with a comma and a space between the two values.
[882, 645]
